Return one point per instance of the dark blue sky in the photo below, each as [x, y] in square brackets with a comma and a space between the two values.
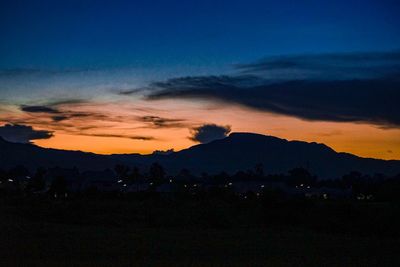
[137, 76]
[179, 34]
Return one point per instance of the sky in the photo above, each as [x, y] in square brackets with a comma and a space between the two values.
[139, 76]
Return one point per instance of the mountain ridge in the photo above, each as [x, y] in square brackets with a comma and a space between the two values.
[238, 151]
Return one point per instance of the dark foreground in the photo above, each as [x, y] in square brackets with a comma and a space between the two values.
[138, 232]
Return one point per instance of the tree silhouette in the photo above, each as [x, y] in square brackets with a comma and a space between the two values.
[299, 176]
[184, 174]
[221, 177]
[37, 182]
[353, 178]
[135, 176]
[18, 171]
[122, 171]
[58, 186]
[156, 173]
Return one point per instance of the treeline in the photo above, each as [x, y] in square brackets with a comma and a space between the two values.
[376, 187]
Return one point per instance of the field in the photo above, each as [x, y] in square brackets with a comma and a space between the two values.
[141, 233]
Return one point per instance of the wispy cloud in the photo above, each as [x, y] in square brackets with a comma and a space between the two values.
[90, 118]
[133, 137]
[58, 114]
[334, 66]
[161, 122]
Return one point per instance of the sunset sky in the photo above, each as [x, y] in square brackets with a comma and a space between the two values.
[138, 76]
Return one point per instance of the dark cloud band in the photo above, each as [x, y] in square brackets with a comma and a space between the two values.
[329, 96]
[39, 109]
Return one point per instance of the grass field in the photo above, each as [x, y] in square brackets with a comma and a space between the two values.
[28, 240]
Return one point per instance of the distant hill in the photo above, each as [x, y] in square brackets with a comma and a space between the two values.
[31, 156]
[239, 151]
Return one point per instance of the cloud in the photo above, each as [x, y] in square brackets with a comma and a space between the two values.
[129, 91]
[90, 118]
[58, 115]
[68, 101]
[133, 137]
[142, 138]
[39, 109]
[160, 122]
[371, 97]
[340, 66]
[59, 118]
[209, 132]
[18, 133]
[74, 116]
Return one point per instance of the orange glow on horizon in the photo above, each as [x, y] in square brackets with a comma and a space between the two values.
[108, 128]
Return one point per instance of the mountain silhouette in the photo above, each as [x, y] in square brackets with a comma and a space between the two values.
[238, 151]
[32, 156]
